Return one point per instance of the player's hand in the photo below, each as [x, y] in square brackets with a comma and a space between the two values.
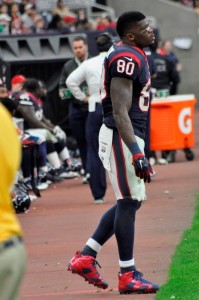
[86, 100]
[59, 133]
[142, 167]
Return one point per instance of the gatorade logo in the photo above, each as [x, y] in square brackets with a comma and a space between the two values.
[184, 120]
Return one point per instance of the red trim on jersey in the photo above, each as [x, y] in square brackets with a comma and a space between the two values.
[117, 171]
[128, 54]
[104, 80]
[139, 50]
[123, 158]
[143, 53]
[35, 99]
[133, 47]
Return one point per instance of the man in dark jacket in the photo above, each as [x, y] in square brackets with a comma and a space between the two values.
[166, 73]
[164, 84]
[78, 111]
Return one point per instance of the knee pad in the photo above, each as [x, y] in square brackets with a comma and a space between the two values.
[128, 204]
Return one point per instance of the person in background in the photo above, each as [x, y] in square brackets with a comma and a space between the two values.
[22, 5]
[106, 23]
[31, 109]
[92, 76]
[152, 69]
[5, 19]
[17, 82]
[58, 25]
[12, 250]
[78, 110]
[28, 163]
[82, 23]
[62, 10]
[67, 17]
[3, 90]
[72, 164]
[125, 87]
[28, 18]
[166, 48]
[9, 3]
[4, 9]
[16, 23]
[166, 71]
[165, 82]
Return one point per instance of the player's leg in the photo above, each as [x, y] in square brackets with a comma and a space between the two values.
[84, 262]
[130, 192]
[126, 206]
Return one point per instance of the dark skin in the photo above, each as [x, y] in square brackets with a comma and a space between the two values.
[28, 113]
[140, 36]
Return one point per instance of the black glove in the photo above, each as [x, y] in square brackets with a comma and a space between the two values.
[142, 167]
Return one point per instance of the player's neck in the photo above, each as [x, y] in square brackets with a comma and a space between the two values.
[127, 42]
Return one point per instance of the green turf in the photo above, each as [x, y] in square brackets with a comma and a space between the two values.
[183, 278]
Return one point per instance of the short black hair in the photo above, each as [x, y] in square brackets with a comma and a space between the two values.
[31, 85]
[104, 41]
[127, 20]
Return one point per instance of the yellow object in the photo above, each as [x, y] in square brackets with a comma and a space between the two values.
[10, 156]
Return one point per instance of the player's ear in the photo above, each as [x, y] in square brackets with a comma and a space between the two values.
[130, 36]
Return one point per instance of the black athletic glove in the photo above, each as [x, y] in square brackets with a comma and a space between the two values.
[142, 167]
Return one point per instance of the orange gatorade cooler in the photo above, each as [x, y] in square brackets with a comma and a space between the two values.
[172, 125]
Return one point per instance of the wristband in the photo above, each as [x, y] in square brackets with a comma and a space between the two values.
[134, 148]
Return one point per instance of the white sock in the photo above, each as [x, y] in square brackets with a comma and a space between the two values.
[64, 154]
[44, 169]
[127, 263]
[54, 160]
[94, 245]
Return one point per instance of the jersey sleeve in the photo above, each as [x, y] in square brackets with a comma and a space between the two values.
[25, 100]
[124, 66]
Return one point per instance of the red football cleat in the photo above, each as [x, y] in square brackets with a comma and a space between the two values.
[85, 266]
[132, 282]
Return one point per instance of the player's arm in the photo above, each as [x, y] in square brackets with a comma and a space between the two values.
[121, 96]
[48, 122]
[28, 113]
[63, 77]
[62, 80]
[55, 129]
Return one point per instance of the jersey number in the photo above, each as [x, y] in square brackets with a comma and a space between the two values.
[125, 67]
[144, 97]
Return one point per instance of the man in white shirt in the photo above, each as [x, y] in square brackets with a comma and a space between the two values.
[90, 71]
